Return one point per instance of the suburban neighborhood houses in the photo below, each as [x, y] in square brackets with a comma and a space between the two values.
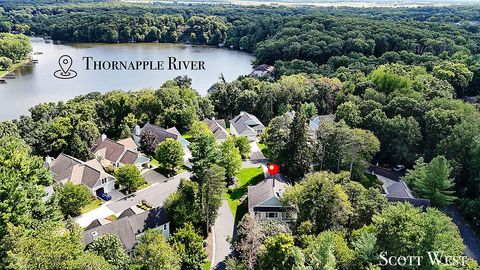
[206, 135]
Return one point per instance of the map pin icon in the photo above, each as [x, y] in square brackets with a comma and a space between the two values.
[65, 63]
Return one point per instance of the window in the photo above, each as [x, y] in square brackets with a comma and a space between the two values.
[272, 215]
[164, 227]
[104, 181]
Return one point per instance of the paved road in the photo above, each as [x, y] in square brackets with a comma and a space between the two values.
[223, 227]
[155, 195]
[469, 238]
[87, 218]
[256, 154]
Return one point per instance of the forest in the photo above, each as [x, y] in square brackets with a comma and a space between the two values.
[403, 85]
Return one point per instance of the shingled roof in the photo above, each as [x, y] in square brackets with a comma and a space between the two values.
[128, 226]
[66, 168]
[264, 191]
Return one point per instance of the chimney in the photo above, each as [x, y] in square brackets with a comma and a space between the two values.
[48, 161]
[137, 130]
[213, 118]
[104, 137]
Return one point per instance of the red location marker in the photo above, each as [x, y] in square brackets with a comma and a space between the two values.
[272, 169]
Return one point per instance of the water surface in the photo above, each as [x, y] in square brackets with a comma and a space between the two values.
[36, 84]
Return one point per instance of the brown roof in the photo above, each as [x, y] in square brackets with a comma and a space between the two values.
[159, 133]
[113, 150]
[129, 157]
[66, 168]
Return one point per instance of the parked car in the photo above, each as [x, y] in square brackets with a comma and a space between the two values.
[399, 168]
[104, 196]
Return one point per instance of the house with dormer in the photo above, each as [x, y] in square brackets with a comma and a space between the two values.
[246, 124]
[264, 200]
[118, 153]
[66, 168]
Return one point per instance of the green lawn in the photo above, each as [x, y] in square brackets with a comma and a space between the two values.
[92, 205]
[154, 162]
[246, 177]
[207, 265]
[263, 148]
[145, 185]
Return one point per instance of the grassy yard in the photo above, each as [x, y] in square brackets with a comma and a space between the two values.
[207, 265]
[154, 162]
[145, 185]
[92, 205]
[263, 148]
[246, 177]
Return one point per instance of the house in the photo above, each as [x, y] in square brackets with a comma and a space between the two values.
[91, 174]
[129, 226]
[262, 71]
[160, 134]
[395, 189]
[217, 127]
[248, 125]
[264, 200]
[118, 153]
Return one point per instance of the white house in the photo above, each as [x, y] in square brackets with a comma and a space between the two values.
[248, 125]
[91, 174]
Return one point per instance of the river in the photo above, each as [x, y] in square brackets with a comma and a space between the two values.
[37, 83]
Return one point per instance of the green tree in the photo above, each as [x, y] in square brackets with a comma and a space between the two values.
[321, 200]
[230, 158]
[298, 150]
[276, 136]
[88, 261]
[243, 145]
[433, 181]
[188, 244]
[129, 177]
[328, 251]
[279, 252]
[50, 246]
[457, 74]
[22, 178]
[169, 155]
[110, 248]
[403, 229]
[72, 198]
[184, 205]
[212, 189]
[154, 253]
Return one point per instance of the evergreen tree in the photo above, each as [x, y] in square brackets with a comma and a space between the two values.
[432, 181]
[298, 151]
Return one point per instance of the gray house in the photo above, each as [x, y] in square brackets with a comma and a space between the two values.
[316, 122]
[129, 226]
[264, 200]
[91, 174]
[160, 134]
[248, 125]
[217, 127]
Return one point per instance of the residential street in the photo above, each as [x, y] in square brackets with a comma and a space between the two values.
[223, 227]
[470, 240]
[155, 195]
